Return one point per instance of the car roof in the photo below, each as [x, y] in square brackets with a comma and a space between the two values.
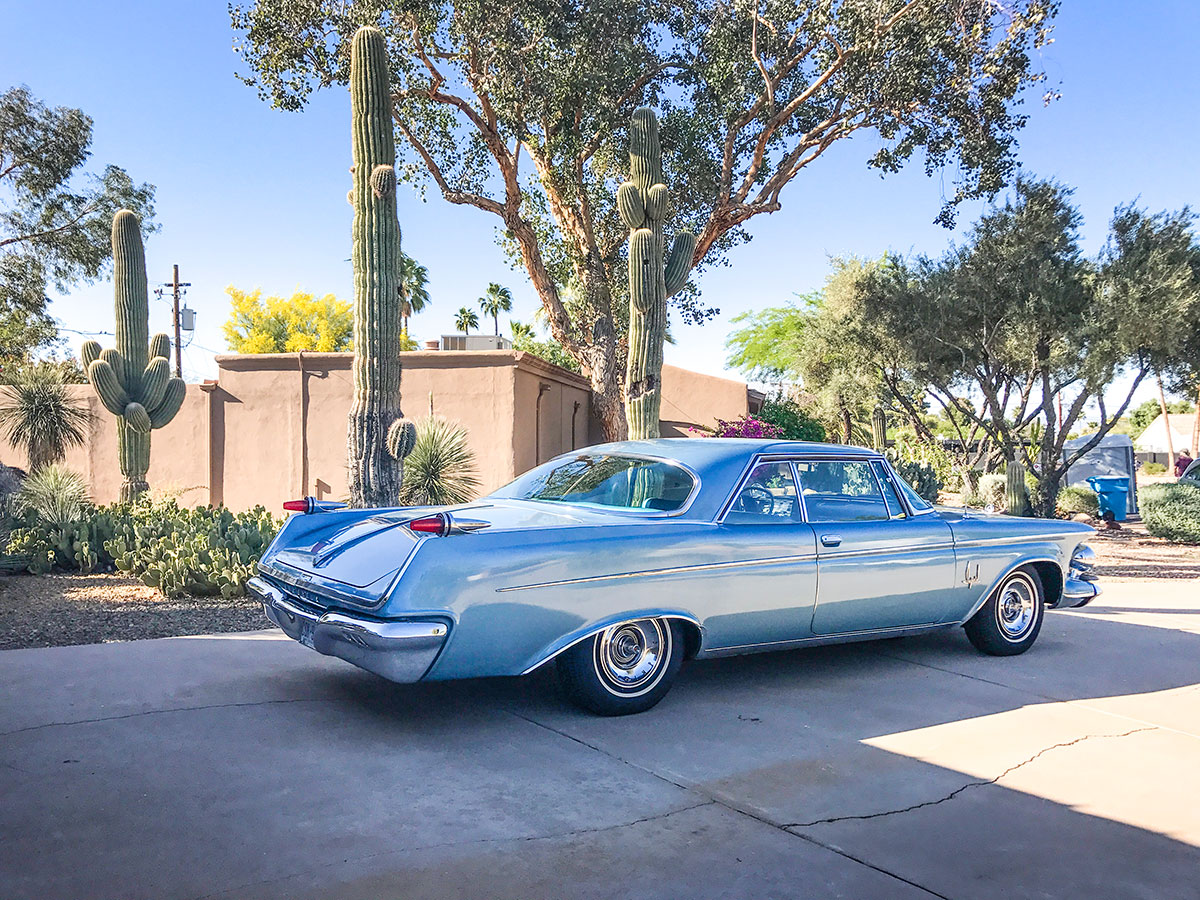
[702, 452]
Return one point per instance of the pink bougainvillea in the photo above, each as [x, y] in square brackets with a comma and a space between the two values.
[743, 427]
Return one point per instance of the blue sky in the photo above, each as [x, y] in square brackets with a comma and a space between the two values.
[254, 197]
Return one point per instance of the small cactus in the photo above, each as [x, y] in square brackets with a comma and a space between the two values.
[879, 429]
[642, 202]
[134, 380]
[1016, 495]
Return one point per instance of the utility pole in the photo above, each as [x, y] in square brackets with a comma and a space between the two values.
[175, 284]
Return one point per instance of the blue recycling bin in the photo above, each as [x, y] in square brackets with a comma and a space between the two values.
[1114, 494]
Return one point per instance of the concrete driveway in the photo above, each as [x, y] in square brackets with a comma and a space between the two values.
[246, 766]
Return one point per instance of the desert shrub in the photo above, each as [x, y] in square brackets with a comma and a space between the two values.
[441, 468]
[204, 551]
[743, 427]
[38, 415]
[791, 421]
[55, 495]
[1076, 499]
[992, 489]
[921, 476]
[1154, 468]
[1172, 511]
[973, 499]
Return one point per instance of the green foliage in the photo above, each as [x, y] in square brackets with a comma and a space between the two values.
[374, 474]
[287, 324]
[54, 495]
[38, 414]
[466, 319]
[1172, 511]
[134, 380]
[496, 300]
[793, 422]
[992, 489]
[1154, 468]
[525, 340]
[1076, 499]
[441, 468]
[205, 551]
[556, 83]
[54, 218]
[921, 476]
[929, 466]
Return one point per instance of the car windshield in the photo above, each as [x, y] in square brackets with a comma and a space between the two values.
[610, 481]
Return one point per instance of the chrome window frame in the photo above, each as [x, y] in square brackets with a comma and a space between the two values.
[622, 510]
[868, 459]
[897, 480]
[905, 513]
[755, 461]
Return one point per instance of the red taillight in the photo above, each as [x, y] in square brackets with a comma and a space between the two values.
[429, 525]
[303, 506]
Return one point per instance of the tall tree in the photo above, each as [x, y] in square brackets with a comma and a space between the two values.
[414, 288]
[55, 218]
[519, 108]
[466, 319]
[496, 299]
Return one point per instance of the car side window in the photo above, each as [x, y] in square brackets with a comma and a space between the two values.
[767, 496]
[890, 498]
[841, 491]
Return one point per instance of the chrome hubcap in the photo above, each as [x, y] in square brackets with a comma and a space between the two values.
[1017, 609]
[631, 657]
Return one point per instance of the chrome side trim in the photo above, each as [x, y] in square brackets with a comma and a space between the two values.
[673, 570]
[845, 637]
[995, 584]
[1014, 539]
[592, 632]
[882, 551]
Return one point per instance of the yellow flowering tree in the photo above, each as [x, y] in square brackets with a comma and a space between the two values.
[302, 321]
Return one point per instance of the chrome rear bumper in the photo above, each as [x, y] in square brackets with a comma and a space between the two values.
[398, 651]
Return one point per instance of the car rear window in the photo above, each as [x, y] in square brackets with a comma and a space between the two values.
[610, 481]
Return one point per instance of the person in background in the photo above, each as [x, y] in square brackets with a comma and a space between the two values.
[1182, 461]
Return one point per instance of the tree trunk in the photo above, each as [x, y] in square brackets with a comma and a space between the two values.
[847, 424]
[1162, 402]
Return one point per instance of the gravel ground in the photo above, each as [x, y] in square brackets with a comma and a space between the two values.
[57, 610]
[1132, 553]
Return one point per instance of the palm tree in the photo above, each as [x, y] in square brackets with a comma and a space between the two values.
[520, 331]
[498, 299]
[38, 415]
[466, 319]
[413, 290]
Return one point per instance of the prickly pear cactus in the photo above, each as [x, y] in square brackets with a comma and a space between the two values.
[643, 202]
[1016, 495]
[134, 380]
[375, 453]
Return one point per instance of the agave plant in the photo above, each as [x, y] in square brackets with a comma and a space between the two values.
[441, 468]
[55, 495]
[39, 416]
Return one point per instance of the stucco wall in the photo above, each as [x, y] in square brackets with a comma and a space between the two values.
[273, 426]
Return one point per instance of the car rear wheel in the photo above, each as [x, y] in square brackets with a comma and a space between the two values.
[1009, 622]
[626, 668]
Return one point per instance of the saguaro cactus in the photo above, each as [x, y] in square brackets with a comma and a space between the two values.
[643, 202]
[879, 429]
[378, 437]
[1016, 495]
[133, 381]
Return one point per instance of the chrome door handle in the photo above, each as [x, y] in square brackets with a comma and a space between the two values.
[830, 540]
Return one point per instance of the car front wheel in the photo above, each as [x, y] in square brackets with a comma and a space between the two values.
[1009, 622]
[626, 668]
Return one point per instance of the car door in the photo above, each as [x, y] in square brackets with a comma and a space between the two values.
[878, 565]
[768, 596]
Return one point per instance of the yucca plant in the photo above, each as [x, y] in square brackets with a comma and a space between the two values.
[38, 415]
[55, 495]
[441, 468]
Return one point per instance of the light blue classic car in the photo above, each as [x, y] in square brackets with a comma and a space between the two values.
[620, 561]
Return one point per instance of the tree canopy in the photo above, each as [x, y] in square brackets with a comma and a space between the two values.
[1012, 336]
[288, 324]
[520, 107]
[55, 218]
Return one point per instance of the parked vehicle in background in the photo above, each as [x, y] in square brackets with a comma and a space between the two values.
[622, 560]
[1192, 472]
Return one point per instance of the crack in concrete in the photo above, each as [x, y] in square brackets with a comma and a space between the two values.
[453, 844]
[734, 807]
[969, 784]
[159, 712]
